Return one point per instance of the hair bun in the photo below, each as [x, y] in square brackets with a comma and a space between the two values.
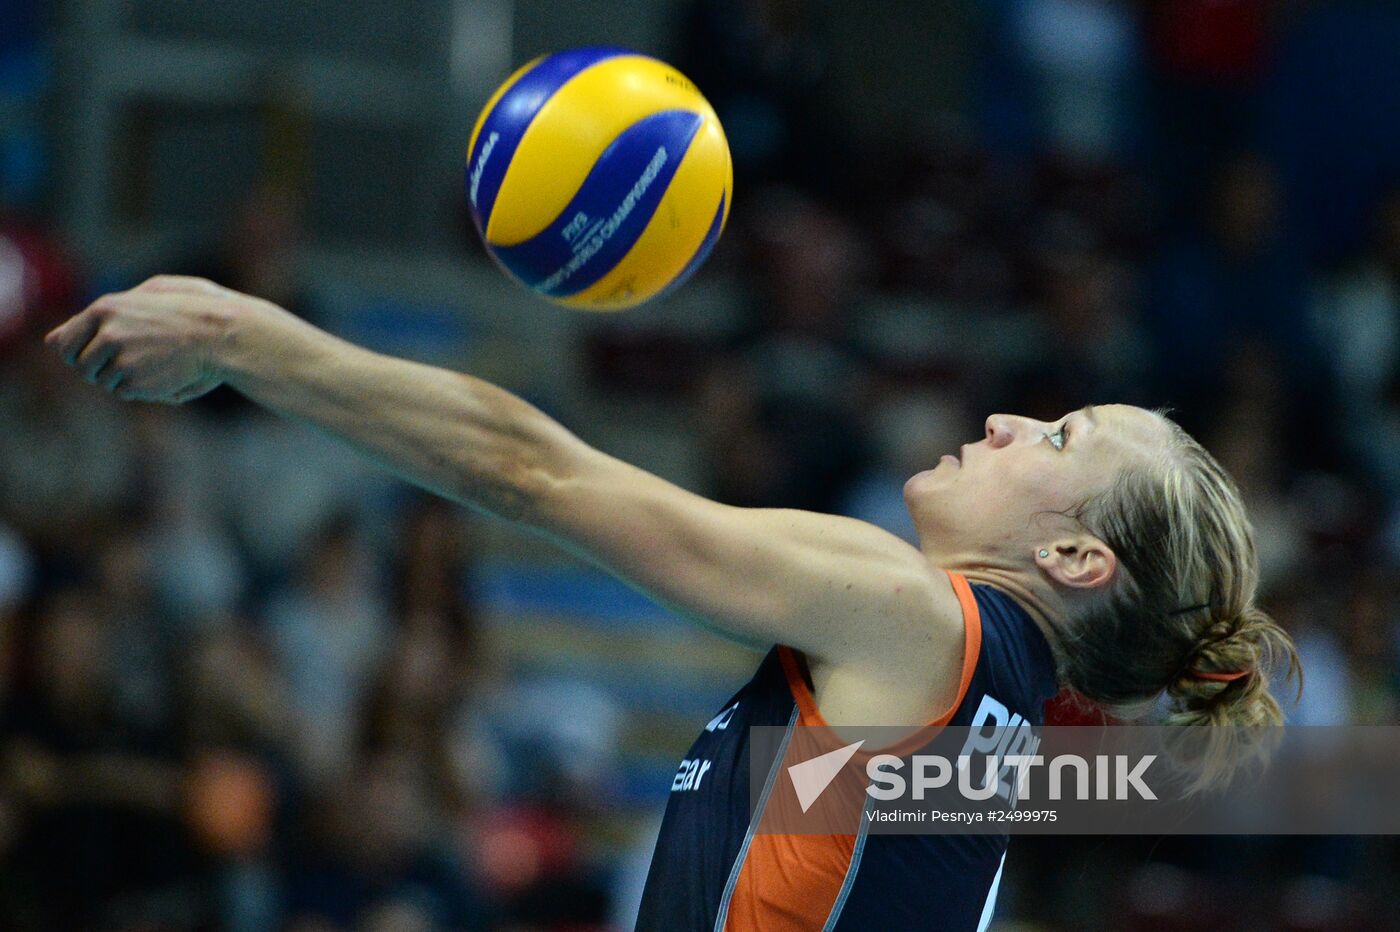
[1226, 683]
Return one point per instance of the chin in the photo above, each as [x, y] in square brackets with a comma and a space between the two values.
[911, 494]
[919, 495]
[918, 485]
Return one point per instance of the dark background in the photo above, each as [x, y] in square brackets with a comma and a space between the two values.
[247, 682]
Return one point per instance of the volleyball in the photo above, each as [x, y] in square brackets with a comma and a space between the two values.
[598, 177]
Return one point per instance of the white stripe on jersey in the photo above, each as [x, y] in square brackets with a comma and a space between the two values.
[991, 905]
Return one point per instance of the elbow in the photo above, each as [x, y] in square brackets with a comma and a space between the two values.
[524, 492]
[521, 487]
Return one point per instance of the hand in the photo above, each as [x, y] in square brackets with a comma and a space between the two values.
[156, 342]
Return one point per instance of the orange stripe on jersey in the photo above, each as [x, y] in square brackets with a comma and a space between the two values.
[789, 883]
[972, 642]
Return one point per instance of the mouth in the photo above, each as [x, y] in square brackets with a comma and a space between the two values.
[950, 458]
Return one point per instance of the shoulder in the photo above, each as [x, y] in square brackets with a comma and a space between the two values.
[911, 669]
[942, 627]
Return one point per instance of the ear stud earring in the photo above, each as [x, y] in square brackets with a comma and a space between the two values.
[1044, 554]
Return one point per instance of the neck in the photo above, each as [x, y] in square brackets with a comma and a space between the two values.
[1032, 595]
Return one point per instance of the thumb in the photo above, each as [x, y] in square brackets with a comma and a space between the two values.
[196, 390]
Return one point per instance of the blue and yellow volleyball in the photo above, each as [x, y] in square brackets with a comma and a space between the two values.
[599, 178]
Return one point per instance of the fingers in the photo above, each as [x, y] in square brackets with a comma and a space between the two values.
[80, 343]
[136, 345]
[127, 390]
[98, 365]
[94, 358]
[70, 338]
[190, 393]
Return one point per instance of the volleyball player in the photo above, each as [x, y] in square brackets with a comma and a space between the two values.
[1105, 550]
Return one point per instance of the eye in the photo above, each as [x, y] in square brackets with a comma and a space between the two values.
[1058, 438]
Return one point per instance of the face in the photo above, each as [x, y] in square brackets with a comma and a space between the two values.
[1003, 498]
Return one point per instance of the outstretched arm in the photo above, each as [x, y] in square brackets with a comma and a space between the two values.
[840, 590]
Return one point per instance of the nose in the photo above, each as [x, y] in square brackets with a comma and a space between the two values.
[1004, 429]
[999, 431]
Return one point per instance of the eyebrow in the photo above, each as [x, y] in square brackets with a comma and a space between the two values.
[1088, 412]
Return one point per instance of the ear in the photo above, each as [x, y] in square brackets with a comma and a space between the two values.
[1078, 562]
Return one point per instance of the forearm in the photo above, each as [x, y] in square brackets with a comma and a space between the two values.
[833, 587]
[455, 435]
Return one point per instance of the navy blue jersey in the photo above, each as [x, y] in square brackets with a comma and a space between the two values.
[713, 871]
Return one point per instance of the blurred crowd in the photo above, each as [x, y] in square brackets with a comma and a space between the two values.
[266, 721]
[242, 675]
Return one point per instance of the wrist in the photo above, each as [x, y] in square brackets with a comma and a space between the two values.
[234, 340]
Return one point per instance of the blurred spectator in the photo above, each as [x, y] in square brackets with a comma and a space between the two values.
[375, 851]
[260, 250]
[1090, 346]
[778, 409]
[1059, 75]
[238, 734]
[911, 431]
[25, 68]
[16, 581]
[1371, 632]
[68, 463]
[234, 696]
[328, 629]
[431, 575]
[1247, 435]
[407, 708]
[39, 281]
[200, 574]
[1207, 61]
[763, 66]
[100, 791]
[1358, 321]
[142, 644]
[531, 857]
[276, 482]
[1311, 619]
[1240, 279]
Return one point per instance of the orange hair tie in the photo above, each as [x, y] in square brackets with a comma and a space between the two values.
[1221, 677]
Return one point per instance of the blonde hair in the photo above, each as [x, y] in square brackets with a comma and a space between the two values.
[1182, 604]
